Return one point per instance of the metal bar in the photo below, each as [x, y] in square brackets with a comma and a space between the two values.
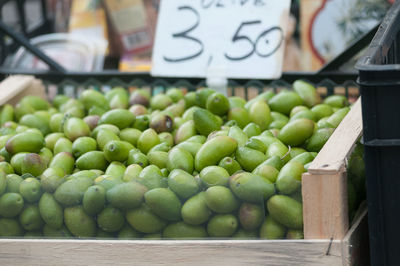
[350, 52]
[48, 25]
[44, 9]
[21, 14]
[24, 42]
[3, 52]
[43, 28]
[4, 48]
[104, 76]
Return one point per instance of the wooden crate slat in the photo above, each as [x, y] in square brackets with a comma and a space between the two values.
[325, 211]
[12, 86]
[332, 156]
[350, 251]
[152, 252]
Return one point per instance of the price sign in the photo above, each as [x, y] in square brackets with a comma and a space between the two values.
[244, 38]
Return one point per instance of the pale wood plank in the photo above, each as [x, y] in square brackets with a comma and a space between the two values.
[35, 88]
[325, 211]
[332, 156]
[12, 86]
[151, 252]
[202, 252]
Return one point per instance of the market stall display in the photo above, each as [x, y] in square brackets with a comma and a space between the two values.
[159, 102]
[110, 167]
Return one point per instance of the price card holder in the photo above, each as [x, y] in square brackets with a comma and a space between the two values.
[198, 38]
[216, 79]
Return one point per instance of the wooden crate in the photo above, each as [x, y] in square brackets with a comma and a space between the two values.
[329, 241]
[187, 252]
[324, 187]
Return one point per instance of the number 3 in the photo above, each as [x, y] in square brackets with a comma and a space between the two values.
[185, 35]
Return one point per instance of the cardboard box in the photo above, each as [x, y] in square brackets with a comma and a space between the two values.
[133, 25]
[88, 19]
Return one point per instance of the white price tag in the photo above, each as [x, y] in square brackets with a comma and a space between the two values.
[243, 37]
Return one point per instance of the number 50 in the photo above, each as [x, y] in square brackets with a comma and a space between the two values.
[262, 38]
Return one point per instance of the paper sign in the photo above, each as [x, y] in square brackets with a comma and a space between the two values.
[241, 38]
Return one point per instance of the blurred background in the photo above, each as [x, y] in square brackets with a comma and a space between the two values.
[91, 35]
